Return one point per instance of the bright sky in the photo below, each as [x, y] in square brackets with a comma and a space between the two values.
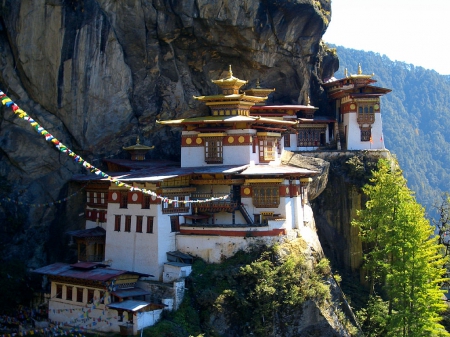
[411, 31]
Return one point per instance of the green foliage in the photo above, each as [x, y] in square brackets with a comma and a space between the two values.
[404, 257]
[254, 292]
[374, 317]
[183, 322]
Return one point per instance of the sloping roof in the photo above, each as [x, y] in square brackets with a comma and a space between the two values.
[129, 305]
[82, 233]
[172, 172]
[94, 274]
[276, 170]
[130, 292]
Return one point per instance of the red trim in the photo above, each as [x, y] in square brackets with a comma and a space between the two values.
[219, 232]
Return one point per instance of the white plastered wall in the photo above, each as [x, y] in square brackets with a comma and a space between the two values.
[354, 133]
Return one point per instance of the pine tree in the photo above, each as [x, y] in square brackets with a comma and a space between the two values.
[404, 257]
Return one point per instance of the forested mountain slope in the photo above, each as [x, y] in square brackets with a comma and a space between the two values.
[416, 119]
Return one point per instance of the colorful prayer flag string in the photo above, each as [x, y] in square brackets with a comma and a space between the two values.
[64, 149]
[60, 201]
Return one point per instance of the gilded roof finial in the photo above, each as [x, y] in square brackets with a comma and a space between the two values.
[230, 72]
[359, 69]
[346, 72]
[308, 101]
[257, 84]
[137, 140]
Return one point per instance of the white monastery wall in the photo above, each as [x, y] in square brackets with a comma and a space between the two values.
[141, 252]
[354, 133]
[213, 248]
[193, 156]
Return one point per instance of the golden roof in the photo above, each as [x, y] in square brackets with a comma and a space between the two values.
[225, 119]
[230, 81]
[139, 147]
[359, 75]
[227, 98]
[258, 91]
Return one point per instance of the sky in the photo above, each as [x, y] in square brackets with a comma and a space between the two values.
[411, 31]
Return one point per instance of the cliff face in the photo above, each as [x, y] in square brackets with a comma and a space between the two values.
[96, 74]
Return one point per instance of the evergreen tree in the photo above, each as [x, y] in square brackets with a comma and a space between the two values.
[403, 257]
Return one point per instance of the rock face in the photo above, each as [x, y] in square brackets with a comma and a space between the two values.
[336, 206]
[96, 74]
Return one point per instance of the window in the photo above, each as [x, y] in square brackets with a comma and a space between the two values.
[309, 137]
[175, 204]
[366, 134]
[80, 295]
[149, 224]
[267, 148]
[123, 200]
[174, 223]
[127, 223]
[366, 114]
[58, 291]
[117, 223]
[213, 150]
[146, 201]
[139, 224]
[69, 293]
[90, 298]
[287, 140]
[266, 196]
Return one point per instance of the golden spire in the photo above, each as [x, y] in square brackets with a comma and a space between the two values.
[230, 72]
[258, 86]
[359, 69]
[346, 72]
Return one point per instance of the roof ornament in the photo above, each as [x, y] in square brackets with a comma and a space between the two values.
[346, 72]
[230, 72]
[359, 69]
[258, 86]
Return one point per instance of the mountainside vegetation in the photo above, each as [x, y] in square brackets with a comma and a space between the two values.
[267, 291]
[416, 119]
[402, 258]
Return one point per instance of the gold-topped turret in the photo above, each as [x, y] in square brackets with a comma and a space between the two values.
[138, 151]
[230, 85]
[259, 92]
[360, 73]
[231, 102]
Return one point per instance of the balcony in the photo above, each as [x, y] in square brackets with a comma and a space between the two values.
[366, 118]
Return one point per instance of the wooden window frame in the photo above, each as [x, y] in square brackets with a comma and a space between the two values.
[175, 205]
[287, 140]
[79, 295]
[127, 223]
[266, 196]
[146, 200]
[174, 223]
[309, 137]
[366, 133]
[213, 150]
[117, 223]
[150, 225]
[267, 149]
[69, 293]
[123, 199]
[90, 296]
[59, 290]
[139, 220]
